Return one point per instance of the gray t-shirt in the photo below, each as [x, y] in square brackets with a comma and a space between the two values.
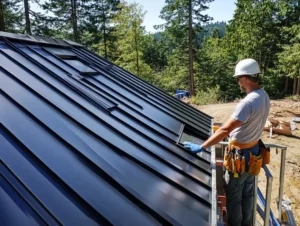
[253, 111]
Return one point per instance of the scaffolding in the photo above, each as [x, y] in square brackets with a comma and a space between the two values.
[266, 212]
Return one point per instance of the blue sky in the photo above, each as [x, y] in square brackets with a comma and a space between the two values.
[220, 10]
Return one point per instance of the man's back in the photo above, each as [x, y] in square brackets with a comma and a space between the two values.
[253, 111]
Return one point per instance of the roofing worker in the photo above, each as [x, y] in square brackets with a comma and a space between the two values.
[242, 158]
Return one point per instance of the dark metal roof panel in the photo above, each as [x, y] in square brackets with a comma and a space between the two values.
[94, 149]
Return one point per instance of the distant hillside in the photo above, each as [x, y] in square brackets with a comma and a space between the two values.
[209, 28]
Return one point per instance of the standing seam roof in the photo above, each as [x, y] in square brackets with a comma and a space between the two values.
[85, 142]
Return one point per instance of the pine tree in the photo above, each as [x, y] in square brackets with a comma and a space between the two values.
[99, 28]
[184, 18]
[64, 18]
[11, 16]
[254, 30]
[130, 39]
[288, 60]
[2, 16]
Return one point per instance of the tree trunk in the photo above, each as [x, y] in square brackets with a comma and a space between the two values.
[105, 41]
[298, 87]
[74, 20]
[286, 85]
[295, 86]
[104, 30]
[137, 54]
[27, 19]
[191, 57]
[2, 20]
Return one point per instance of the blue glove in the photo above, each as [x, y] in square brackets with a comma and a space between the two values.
[196, 148]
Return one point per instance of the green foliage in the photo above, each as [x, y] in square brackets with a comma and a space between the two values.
[98, 26]
[294, 98]
[209, 30]
[131, 39]
[257, 31]
[209, 96]
[59, 18]
[183, 21]
[274, 84]
[289, 58]
[253, 32]
[156, 51]
[11, 16]
[215, 68]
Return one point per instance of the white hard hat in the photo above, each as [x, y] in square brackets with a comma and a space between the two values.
[247, 67]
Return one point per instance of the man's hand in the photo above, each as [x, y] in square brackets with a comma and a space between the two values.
[193, 147]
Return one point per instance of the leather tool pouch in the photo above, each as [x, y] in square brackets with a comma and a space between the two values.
[265, 152]
[255, 163]
[239, 162]
[234, 161]
[227, 159]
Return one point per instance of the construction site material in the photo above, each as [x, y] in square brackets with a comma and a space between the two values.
[281, 181]
[287, 214]
[280, 127]
[285, 132]
[296, 119]
[181, 94]
[261, 203]
[293, 125]
[274, 122]
[255, 199]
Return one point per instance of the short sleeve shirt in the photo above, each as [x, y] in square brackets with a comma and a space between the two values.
[253, 112]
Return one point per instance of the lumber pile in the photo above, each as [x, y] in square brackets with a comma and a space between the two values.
[279, 127]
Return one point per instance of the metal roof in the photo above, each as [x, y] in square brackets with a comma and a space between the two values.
[84, 142]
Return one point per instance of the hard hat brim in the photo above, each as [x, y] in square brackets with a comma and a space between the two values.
[245, 74]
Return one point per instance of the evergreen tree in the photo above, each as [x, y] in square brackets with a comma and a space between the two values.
[11, 16]
[156, 51]
[130, 39]
[64, 18]
[288, 60]
[216, 66]
[2, 16]
[183, 20]
[99, 27]
[253, 32]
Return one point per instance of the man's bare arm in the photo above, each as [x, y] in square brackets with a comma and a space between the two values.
[222, 132]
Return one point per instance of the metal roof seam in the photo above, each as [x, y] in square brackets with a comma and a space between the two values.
[45, 58]
[85, 158]
[47, 211]
[157, 104]
[201, 114]
[103, 144]
[162, 109]
[52, 174]
[71, 99]
[142, 147]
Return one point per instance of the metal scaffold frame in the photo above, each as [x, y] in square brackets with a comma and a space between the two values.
[267, 207]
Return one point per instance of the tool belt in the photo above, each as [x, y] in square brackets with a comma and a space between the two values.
[234, 159]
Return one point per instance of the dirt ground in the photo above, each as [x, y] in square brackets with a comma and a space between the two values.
[283, 110]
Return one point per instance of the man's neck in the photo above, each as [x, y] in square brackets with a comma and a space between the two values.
[252, 88]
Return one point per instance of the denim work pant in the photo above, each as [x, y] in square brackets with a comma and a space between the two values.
[239, 199]
[239, 195]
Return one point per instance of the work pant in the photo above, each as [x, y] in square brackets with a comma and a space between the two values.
[239, 195]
